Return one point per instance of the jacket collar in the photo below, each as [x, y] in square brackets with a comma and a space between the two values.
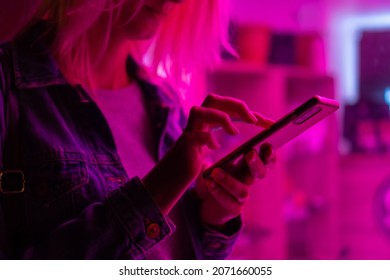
[33, 65]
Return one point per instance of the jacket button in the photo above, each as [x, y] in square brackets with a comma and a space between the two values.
[215, 245]
[153, 231]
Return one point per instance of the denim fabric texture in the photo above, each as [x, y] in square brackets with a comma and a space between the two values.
[80, 203]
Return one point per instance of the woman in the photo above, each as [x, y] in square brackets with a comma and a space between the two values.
[110, 163]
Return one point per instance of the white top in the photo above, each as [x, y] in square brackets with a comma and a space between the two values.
[131, 126]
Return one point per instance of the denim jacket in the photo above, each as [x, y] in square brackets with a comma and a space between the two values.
[80, 203]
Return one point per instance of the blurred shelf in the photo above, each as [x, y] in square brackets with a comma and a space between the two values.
[246, 67]
[368, 161]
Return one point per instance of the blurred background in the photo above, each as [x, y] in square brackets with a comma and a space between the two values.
[328, 195]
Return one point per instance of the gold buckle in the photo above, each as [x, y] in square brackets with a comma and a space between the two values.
[12, 182]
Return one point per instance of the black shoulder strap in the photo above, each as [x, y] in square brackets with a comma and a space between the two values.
[11, 177]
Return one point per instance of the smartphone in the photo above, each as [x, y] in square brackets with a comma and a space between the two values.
[282, 131]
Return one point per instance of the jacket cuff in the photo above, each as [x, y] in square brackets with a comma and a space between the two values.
[140, 216]
[217, 244]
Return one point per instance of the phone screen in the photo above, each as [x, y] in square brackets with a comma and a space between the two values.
[282, 131]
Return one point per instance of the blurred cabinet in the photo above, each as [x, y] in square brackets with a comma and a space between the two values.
[362, 176]
[292, 213]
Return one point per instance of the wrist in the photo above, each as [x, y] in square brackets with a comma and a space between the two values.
[163, 188]
[228, 228]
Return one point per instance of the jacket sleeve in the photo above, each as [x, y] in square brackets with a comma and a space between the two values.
[125, 226]
[209, 243]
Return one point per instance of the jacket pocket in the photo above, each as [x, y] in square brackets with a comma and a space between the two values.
[52, 181]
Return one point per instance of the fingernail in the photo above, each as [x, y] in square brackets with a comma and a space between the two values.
[269, 122]
[214, 145]
[235, 130]
[211, 185]
[253, 117]
[266, 153]
[218, 174]
[251, 156]
[265, 122]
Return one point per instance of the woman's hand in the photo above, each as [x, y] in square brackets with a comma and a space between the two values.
[224, 194]
[183, 163]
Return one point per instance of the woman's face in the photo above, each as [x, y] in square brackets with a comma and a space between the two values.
[146, 21]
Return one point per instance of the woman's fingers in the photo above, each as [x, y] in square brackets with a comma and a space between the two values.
[201, 119]
[201, 138]
[262, 121]
[232, 188]
[267, 154]
[233, 107]
[236, 108]
[219, 111]
[255, 165]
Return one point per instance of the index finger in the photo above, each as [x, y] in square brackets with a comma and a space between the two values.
[232, 106]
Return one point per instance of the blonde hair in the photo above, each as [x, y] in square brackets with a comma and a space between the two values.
[190, 38]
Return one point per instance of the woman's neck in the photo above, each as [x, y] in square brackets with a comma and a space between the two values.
[110, 72]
